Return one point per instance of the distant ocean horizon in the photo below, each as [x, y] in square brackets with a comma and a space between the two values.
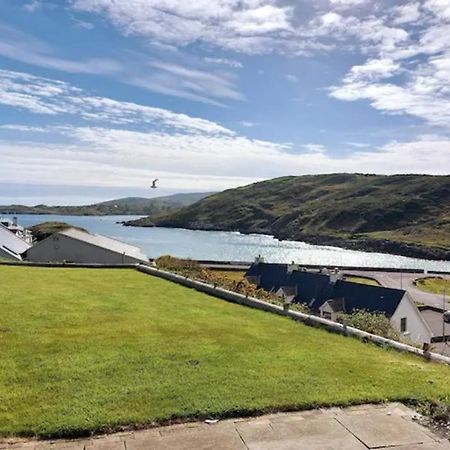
[229, 246]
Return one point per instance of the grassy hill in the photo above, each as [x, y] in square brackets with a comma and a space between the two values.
[121, 206]
[404, 214]
[93, 350]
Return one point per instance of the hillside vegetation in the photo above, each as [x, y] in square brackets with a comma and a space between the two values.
[122, 206]
[43, 230]
[405, 214]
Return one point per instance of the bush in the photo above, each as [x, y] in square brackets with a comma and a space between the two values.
[375, 323]
[185, 267]
[194, 270]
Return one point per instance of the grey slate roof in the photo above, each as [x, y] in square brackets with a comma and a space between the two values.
[272, 275]
[314, 289]
[11, 243]
[105, 242]
[369, 298]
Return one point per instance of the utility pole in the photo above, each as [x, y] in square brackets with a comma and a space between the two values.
[443, 313]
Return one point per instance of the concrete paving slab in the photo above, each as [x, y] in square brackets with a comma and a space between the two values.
[258, 431]
[433, 446]
[105, 444]
[317, 434]
[378, 430]
[308, 444]
[212, 439]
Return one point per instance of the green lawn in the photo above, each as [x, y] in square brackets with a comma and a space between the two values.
[88, 350]
[362, 280]
[435, 285]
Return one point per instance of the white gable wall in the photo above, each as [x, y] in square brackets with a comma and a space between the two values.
[417, 330]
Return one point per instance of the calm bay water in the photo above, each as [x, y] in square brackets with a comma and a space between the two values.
[229, 246]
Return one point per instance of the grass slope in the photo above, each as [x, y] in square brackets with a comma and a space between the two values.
[86, 350]
[435, 285]
[362, 280]
[326, 208]
[128, 205]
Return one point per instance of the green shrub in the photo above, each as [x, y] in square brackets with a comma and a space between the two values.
[375, 323]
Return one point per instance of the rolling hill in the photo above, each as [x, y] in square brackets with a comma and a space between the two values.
[403, 214]
[122, 206]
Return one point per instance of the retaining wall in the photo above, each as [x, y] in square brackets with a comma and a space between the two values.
[298, 316]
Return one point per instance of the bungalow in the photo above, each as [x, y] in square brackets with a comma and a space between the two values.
[11, 246]
[328, 295]
[395, 304]
[73, 245]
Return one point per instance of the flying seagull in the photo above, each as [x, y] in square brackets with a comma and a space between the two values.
[153, 186]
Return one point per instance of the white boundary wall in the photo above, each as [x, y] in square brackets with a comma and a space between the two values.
[298, 316]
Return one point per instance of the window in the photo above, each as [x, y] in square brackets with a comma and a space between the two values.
[403, 324]
[326, 315]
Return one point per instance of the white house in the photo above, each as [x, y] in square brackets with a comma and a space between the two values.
[325, 293]
[18, 230]
[11, 246]
[78, 246]
[395, 304]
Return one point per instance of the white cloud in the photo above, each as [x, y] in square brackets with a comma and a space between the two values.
[291, 78]
[408, 13]
[172, 79]
[45, 96]
[117, 157]
[390, 79]
[372, 69]
[225, 62]
[22, 47]
[32, 6]
[347, 3]
[246, 26]
[441, 8]
[248, 124]
[125, 144]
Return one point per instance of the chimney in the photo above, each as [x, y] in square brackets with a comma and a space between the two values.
[259, 259]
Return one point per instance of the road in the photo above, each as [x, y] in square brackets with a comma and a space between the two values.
[398, 280]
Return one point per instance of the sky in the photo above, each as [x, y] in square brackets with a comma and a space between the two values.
[99, 97]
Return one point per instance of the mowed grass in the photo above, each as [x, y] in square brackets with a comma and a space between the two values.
[362, 280]
[91, 350]
[436, 285]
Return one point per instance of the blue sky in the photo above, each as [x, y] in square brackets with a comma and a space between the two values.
[98, 97]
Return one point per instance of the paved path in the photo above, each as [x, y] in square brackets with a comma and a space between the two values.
[358, 428]
[403, 281]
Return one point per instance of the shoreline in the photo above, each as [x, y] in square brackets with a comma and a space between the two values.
[369, 245]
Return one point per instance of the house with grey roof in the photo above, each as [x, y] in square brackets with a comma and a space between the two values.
[20, 231]
[327, 294]
[76, 246]
[11, 246]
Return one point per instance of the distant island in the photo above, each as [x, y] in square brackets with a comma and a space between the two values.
[400, 214]
[123, 206]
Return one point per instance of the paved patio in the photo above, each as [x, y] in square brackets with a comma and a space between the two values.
[358, 428]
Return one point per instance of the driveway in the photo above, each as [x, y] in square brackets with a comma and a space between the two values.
[398, 280]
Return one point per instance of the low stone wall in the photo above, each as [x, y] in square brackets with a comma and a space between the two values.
[298, 316]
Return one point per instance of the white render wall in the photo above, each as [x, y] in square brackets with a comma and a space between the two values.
[58, 248]
[417, 330]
